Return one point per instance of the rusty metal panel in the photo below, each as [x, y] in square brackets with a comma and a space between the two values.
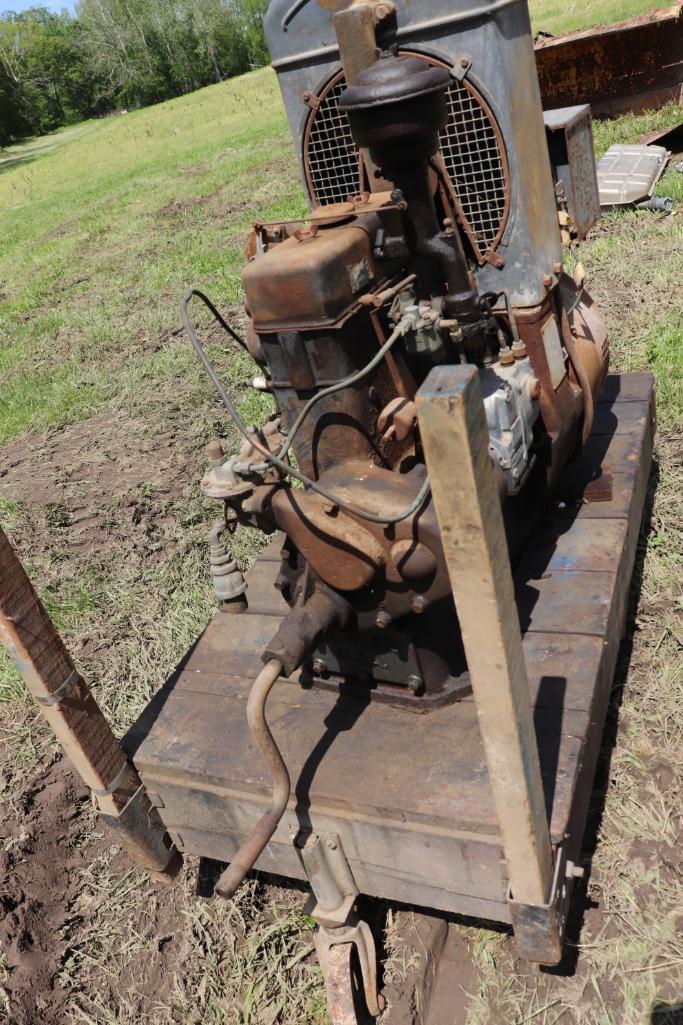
[310, 280]
[631, 66]
[569, 133]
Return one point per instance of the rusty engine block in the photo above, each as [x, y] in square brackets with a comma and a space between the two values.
[348, 314]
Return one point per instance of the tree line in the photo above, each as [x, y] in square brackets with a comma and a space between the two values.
[56, 69]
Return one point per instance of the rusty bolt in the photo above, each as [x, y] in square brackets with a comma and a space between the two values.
[464, 62]
[547, 280]
[382, 619]
[557, 268]
[419, 604]
[414, 683]
[319, 666]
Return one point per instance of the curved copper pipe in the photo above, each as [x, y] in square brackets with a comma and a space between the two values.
[253, 846]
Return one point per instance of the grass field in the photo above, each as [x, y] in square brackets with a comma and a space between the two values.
[558, 16]
[103, 417]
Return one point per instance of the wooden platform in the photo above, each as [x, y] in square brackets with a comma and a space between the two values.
[408, 794]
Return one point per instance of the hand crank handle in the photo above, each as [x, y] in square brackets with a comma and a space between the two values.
[255, 843]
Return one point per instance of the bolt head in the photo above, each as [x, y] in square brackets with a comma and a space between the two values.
[331, 845]
[382, 619]
[557, 268]
[464, 62]
[547, 280]
[419, 604]
[319, 666]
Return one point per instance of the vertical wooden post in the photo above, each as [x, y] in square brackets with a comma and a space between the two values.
[65, 701]
[455, 438]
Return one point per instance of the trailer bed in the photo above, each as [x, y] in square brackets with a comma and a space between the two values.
[408, 794]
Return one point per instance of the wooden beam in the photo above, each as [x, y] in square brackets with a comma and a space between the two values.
[65, 701]
[455, 439]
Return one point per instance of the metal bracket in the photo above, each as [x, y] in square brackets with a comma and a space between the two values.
[461, 67]
[335, 892]
[311, 100]
[539, 928]
[358, 933]
[140, 829]
[69, 689]
[331, 879]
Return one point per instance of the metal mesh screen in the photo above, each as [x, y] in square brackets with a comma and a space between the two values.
[331, 154]
[471, 148]
[473, 159]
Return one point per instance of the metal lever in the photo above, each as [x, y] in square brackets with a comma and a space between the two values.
[255, 843]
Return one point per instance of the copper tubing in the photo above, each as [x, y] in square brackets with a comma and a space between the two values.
[581, 376]
[255, 843]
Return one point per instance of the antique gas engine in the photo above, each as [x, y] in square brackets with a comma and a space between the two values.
[433, 239]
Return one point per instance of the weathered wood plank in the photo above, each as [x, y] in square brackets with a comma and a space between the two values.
[636, 387]
[67, 704]
[584, 546]
[378, 878]
[262, 597]
[454, 433]
[620, 418]
[567, 602]
[199, 734]
[561, 669]
[406, 852]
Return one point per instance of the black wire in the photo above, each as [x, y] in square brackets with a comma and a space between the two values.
[217, 314]
[274, 460]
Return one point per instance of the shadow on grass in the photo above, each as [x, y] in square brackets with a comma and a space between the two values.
[10, 163]
[667, 1014]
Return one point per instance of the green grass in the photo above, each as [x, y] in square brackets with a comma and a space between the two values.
[76, 217]
[559, 17]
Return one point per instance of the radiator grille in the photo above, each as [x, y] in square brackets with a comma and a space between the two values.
[471, 146]
[474, 162]
[330, 153]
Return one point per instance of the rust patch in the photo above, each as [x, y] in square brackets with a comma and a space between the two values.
[629, 66]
